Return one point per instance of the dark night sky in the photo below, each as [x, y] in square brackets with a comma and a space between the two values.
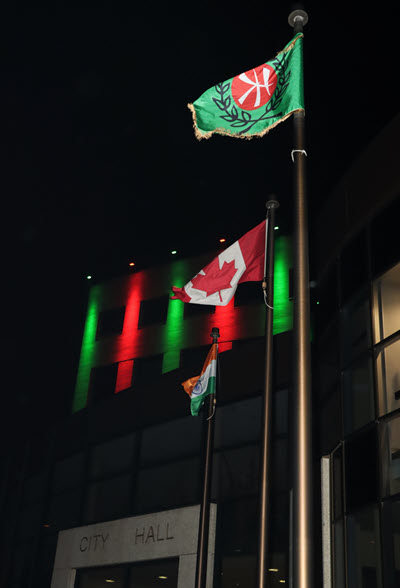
[100, 164]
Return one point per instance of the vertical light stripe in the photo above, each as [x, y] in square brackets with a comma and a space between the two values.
[283, 307]
[174, 328]
[87, 352]
[124, 375]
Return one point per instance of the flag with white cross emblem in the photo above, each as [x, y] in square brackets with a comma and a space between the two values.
[251, 103]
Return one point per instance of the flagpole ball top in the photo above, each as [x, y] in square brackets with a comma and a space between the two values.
[271, 204]
[215, 333]
[297, 15]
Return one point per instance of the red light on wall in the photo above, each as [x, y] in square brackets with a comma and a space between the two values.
[124, 376]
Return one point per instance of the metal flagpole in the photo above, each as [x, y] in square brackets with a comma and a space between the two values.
[268, 287]
[302, 439]
[202, 549]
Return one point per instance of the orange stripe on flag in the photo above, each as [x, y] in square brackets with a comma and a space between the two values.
[189, 384]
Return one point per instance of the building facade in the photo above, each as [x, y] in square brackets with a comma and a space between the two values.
[111, 494]
[357, 375]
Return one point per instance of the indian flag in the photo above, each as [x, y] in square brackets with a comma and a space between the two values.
[201, 386]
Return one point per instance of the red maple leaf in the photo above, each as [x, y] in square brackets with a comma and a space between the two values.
[215, 278]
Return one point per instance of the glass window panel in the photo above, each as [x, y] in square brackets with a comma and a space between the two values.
[328, 360]
[363, 546]
[238, 423]
[353, 266]
[239, 384]
[238, 570]
[103, 380]
[192, 359]
[94, 578]
[68, 473]
[42, 577]
[355, 328]
[161, 572]
[358, 399]
[110, 322]
[361, 469]
[153, 311]
[339, 561]
[113, 456]
[386, 317]
[176, 439]
[385, 238]
[388, 377]
[279, 464]
[34, 488]
[390, 456]
[40, 450]
[330, 424]
[179, 483]
[21, 565]
[29, 522]
[191, 310]
[279, 530]
[108, 499]
[146, 370]
[327, 293]
[45, 561]
[64, 511]
[235, 473]
[239, 525]
[337, 483]
[280, 413]
[248, 293]
[391, 543]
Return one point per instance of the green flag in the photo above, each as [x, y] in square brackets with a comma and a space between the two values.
[250, 104]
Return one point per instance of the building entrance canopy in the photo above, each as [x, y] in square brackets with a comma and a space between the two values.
[167, 534]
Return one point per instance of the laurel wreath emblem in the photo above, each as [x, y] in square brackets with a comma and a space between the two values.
[242, 118]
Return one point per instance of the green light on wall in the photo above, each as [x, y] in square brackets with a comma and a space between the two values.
[176, 334]
[87, 352]
[173, 333]
[283, 307]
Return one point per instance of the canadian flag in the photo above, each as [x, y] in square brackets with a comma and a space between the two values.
[217, 282]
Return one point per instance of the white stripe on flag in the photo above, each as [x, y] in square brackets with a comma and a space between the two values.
[202, 382]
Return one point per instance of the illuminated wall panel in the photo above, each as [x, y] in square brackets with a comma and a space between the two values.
[225, 318]
[86, 360]
[224, 347]
[247, 321]
[126, 346]
[124, 375]
[283, 307]
[174, 329]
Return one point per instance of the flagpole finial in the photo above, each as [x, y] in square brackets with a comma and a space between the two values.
[298, 19]
[215, 334]
[271, 204]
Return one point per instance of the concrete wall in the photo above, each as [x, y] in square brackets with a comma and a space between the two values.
[172, 533]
